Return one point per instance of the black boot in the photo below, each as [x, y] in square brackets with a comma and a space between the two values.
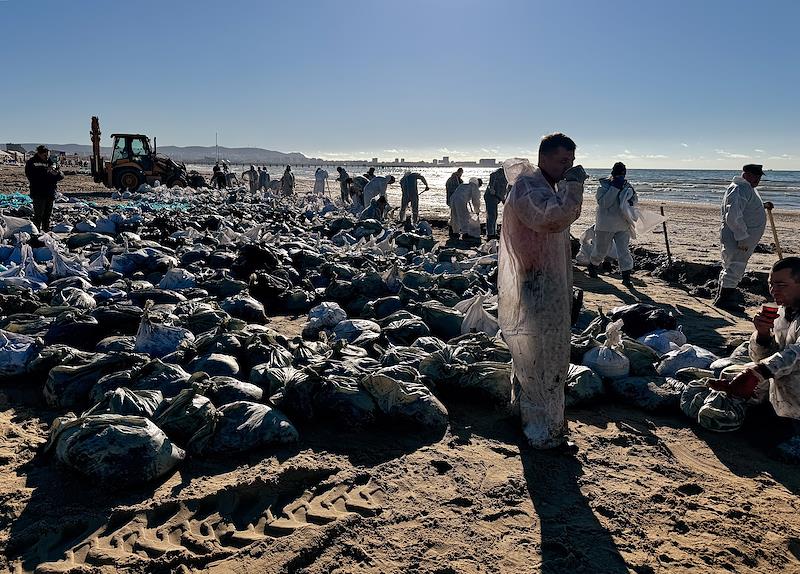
[726, 299]
[592, 271]
[626, 279]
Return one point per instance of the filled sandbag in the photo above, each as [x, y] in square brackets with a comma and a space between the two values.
[608, 360]
[240, 427]
[111, 449]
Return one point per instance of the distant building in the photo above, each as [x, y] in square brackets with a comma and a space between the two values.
[489, 162]
[435, 161]
[446, 160]
[402, 160]
[396, 160]
[374, 160]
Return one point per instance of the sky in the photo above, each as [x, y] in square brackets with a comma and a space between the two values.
[706, 84]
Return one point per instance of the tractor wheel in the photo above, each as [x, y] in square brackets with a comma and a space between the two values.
[128, 179]
[177, 181]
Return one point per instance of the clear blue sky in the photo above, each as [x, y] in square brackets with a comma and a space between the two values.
[682, 83]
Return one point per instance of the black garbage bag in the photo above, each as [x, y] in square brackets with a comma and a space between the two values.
[257, 352]
[214, 364]
[405, 331]
[204, 320]
[273, 379]
[649, 393]
[220, 342]
[68, 386]
[342, 401]
[583, 385]
[243, 426]
[117, 450]
[224, 390]
[80, 330]
[429, 344]
[16, 353]
[370, 285]
[118, 319]
[483, 347]
[54, 355]
[245, 308]
[157, 296]
[268, 288]
[124, 401]
[444, 322]
[155, 375]
[457, 283]
[254, 258]
[405, 402]
[641, 357]
[484, 380]
[116, 344]
[641, 318]
[447, 365]
[185, 414]
[401, 355]
[383, 307]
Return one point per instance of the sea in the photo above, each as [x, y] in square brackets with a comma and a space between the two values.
[661, 185]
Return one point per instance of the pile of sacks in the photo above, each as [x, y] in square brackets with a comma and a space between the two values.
[148, 328]
[640, 355]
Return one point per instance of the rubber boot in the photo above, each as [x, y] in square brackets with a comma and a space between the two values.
[726, 299]
[592, 271]
[626, 279]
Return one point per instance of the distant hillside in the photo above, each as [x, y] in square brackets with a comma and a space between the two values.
[196, 154]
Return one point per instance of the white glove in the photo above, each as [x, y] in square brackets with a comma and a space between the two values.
[576, 173]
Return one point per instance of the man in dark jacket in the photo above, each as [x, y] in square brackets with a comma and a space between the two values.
[495, 193]
[43, 178]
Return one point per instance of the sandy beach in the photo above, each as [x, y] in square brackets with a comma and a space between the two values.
[645, 493]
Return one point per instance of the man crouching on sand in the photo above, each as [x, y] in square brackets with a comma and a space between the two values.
[775, 348]
[535, 284]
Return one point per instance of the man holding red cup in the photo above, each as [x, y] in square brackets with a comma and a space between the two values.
[775, 350]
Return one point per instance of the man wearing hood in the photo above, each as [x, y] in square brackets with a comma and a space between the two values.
[449, 187]
[344, 185]
[614, 196]
[253, 176]
[465, 208]
[535, 284]
[377, 186]
[263, 179]
[743, 222]
[287, 181]
[320, 178]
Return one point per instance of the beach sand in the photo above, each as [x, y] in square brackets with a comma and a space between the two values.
[645, 493]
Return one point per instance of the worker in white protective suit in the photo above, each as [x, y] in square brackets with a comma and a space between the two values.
[615, 198]
[377, 186]
[344, 184]
[320, 179]
[410, 194]
[743, 223]
[535, 284]
[775, 349]
[465, 209]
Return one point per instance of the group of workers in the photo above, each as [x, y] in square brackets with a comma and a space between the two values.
[535, 264]
[535, 287]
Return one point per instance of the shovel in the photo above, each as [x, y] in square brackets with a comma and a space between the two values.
[768, 206]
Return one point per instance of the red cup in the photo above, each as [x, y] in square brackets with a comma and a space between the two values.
[770, 311]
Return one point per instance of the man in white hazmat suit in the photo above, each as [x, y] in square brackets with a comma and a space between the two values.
[775, 349]
[743, 223]
[535, 284]
[320, 178]
[377, 186]
[465, 209]
[611, 223]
